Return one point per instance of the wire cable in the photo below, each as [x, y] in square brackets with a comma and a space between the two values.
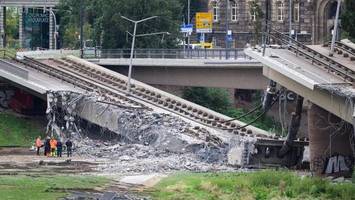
[262, 114]
[244, 115]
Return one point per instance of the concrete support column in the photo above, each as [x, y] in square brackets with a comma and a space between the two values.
[330, 147]
[21, 33]
[2, 27]
[51, 30]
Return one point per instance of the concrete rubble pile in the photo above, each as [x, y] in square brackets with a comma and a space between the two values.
[340, 90]
[145, 141]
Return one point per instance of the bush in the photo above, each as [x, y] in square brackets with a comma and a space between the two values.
[219, 101]
[213, 98]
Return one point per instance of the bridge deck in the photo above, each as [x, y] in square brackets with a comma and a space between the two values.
[336, 57]
[348, 43]
[313, 82]
[33, 80]
[296, 68]
[193, 63]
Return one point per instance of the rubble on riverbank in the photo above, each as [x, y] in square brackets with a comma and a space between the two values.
[144, 141]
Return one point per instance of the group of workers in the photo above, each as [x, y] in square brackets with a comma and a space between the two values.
[53, 147]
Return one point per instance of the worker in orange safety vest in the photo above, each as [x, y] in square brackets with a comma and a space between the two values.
[38, 144]
[53, 144]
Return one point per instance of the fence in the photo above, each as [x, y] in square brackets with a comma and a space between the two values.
[170, 53]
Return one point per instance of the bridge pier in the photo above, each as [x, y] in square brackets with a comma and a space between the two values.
[331, 143]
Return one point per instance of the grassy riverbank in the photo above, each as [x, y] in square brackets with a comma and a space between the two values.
[263, 185]
[18, 131]
[45, 187]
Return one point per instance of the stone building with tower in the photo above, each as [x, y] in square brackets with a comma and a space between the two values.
[312, 20]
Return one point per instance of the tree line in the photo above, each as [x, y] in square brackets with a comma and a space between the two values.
[103, 23]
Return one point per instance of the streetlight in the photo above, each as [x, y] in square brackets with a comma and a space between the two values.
[133, 42]
[81, 29]
[188, 22]
[290, 21]
[335, 29]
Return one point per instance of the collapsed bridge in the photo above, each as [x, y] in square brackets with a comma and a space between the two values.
[76, 75]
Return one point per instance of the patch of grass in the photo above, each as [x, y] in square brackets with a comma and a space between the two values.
[45, 187]
[16, 131]
[262, 185]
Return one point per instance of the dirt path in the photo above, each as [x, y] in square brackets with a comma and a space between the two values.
[18, 161]
[22, 161]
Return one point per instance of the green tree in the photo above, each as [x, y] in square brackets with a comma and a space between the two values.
[109, 29]
[213, 98]
[195, 6]
[12, 26]
[348, 18]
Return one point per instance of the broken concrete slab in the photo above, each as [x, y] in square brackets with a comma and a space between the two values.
[148, 180]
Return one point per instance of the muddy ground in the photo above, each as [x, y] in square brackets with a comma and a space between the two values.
[23, 161]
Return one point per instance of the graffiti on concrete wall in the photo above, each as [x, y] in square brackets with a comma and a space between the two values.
[5, 97]
[338, 164]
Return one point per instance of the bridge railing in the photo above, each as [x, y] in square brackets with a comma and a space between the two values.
[221, 54]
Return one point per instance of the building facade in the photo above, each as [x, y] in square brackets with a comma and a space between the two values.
[311, 20]
[36, 24]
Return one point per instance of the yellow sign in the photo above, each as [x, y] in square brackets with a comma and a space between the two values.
[206, 45]
[204, 22]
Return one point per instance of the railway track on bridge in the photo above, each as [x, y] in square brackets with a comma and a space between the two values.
[346, 48]
[325, 62]
[114, 90]
[112, 87]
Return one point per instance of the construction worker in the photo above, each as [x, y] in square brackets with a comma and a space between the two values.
[39, 144]
[47, 147]
[53, 144]
[69, 145]
[59, 148]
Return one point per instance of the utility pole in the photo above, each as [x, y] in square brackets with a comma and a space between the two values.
[266, 28]
[188, 21]
[335, 30]
[81, 29]
[290, 20]
[133, 43]
[227, 28]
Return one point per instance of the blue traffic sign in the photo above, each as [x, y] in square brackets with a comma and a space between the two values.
[186, 28]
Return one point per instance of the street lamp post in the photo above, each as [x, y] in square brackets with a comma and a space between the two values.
[188, 22]
[290, 20]
[81, 28]
[335, 29]
[133, 43]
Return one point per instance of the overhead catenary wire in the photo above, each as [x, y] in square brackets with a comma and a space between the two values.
[246, 114]
[262, 114]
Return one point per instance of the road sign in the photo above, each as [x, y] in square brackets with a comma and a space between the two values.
[229, 38]
[204, 22]
[186, 28]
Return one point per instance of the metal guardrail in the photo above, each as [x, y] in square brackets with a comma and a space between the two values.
[222, 54]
